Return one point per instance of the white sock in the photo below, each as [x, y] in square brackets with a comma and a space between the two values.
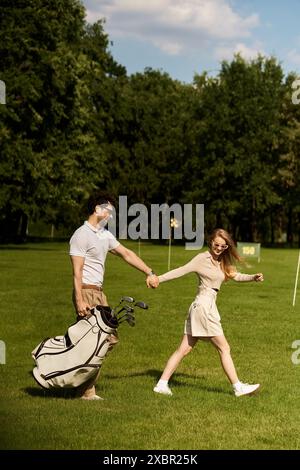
[237, 385]
[163, 383]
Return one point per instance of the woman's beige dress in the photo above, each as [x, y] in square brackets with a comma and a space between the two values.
[203, 317]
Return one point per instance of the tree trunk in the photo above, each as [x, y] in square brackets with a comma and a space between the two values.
[289, 230]
[253, 224]
[23, 227]
[272, 230]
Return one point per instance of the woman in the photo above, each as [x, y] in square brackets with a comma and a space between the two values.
[203, 321]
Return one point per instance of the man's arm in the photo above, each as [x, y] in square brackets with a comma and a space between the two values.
[81, 306]
[131, 258]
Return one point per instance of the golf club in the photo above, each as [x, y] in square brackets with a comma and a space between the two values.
[141, 304]
[123, 312]
[130, 321]
[128, 299]
[129, 310]
[127, 315]
[129, 318]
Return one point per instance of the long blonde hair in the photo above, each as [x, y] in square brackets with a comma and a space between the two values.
[228, 257]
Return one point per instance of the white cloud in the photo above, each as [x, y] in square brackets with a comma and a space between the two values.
[173, 25]
[294, 56]
[171, 48]
[226, 52]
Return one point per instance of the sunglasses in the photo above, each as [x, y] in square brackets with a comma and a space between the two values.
[107, 208]
[222, 247]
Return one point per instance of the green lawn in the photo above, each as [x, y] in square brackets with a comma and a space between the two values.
[259, 322]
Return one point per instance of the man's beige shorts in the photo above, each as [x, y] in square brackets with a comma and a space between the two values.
[93, 298]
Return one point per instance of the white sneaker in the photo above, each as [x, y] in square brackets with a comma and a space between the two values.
[246, 389]
[164, 389]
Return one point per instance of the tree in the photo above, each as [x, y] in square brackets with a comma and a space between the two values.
[238, 144]
[149, 137]
[289, 165]
[50, 146]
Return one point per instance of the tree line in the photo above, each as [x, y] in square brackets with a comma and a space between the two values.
[75, 121]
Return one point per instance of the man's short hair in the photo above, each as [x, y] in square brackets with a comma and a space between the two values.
[97, 199]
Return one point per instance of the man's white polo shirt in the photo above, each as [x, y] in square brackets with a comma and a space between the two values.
[92, 244]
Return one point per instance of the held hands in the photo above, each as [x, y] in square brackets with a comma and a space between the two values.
[259, 277]
[152, 281]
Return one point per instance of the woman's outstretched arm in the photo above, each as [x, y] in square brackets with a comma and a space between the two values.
[239, 277]
[190, 267]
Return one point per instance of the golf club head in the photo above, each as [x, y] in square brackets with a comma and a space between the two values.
[130, 315]
[130, 321]
[129, 309]
[115, 312]
[126, 315]
[141, 304]
[127, 299]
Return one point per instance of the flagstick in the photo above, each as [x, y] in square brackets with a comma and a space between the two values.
[139, 247]
[296, 281]
[173, 223]
[169, 255]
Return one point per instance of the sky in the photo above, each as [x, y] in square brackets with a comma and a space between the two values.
[185, 37]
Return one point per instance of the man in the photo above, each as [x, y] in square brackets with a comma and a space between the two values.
[89, 246]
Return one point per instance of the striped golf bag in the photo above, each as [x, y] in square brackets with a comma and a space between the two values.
[71, 360]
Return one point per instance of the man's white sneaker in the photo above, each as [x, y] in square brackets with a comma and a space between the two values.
[165, 389]
[246, 389]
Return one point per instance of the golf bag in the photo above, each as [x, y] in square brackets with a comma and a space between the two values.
[71, 360]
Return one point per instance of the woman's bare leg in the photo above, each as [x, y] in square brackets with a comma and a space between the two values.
[187, 344]
[223, 349]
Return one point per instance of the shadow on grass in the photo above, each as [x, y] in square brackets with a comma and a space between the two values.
[176, 380]
[55, 393]
[38, 391]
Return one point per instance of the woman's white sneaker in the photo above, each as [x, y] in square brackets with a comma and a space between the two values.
[163, 389]
[246, 389]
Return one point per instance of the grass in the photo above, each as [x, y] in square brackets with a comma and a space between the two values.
[259, 322]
